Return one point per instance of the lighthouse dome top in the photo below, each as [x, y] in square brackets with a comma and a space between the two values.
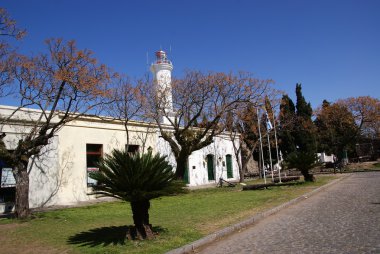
[161, 58]
[162, 62]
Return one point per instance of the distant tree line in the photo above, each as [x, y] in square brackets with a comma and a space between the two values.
[347, 128]
[333, 128]
[337, 128]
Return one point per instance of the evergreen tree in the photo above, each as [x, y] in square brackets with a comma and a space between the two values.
[325, 104]
[304, 129]
[298, 134]
[286, 128]
[304, 109]
[304, 136]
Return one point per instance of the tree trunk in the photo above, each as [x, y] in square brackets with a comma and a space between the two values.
[245, 154]
[22, 192]
[307, 176]
[140, 211]
[182, 161]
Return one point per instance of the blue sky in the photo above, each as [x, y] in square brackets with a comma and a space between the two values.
[331, 47]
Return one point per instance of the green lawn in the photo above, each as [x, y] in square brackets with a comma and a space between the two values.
[178, 219]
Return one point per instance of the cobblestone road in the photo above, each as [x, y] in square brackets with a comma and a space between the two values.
[345, 218]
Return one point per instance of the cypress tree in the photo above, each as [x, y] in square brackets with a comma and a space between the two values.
[304, 129]
[304, 109]
[304, 156]
[286, 126]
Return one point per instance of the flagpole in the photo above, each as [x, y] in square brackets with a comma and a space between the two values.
[269, 128]
[275, 138]
[270, 155]
[261, 143]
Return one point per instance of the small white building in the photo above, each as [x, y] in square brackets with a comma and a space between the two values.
[60, 175]
[324, 158]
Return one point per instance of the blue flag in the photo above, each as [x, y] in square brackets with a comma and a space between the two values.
[269, 124]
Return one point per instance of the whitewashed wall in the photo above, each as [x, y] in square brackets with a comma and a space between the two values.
[59, 176]
[72, 154]
[198, 173]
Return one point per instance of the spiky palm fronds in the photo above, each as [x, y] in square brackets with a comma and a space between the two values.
[135, 177]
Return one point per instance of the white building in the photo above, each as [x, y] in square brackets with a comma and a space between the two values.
[324, 158]
[60, 175]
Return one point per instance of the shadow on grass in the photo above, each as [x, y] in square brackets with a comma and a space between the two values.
[7, 216]
[262, 186]
[115, 235]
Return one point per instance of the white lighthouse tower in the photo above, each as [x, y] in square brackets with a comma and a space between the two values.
[162, 78]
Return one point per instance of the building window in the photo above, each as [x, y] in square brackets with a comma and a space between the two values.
[7, 178]
[132, 149]
[6, 175]
[93, 154]
[7, 183]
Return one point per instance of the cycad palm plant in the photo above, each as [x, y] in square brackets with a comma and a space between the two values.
[136, 179]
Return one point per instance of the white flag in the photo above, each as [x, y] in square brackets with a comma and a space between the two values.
[269, 124]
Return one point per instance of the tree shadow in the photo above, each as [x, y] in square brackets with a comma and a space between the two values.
[7, 216]
[115, 235]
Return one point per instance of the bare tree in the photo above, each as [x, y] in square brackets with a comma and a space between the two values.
[142, 137]
[366, 112]
[127, 102]
[60, 86]
[200, 102]
[242, 124]
[8, 31]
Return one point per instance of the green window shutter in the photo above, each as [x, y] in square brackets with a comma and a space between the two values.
[186, 175]
[229, 166]
[210, 167]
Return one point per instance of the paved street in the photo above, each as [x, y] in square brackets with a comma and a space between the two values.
[345, 218]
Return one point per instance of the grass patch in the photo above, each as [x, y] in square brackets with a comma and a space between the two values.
[179, 220]
[362, 167]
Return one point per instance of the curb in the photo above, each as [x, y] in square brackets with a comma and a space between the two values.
[189, 248]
